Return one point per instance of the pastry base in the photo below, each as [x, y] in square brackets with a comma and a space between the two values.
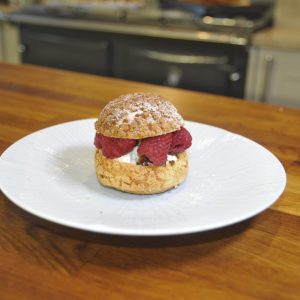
[138, 179]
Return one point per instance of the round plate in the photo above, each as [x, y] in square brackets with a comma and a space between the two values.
[50, 173]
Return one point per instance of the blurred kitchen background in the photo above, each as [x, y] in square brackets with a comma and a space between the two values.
[242, 48]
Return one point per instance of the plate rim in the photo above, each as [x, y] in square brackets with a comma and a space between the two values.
[148, 232]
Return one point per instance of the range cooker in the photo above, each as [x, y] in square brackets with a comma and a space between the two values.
[177, 44]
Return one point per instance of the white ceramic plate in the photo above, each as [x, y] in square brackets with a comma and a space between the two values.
[50, 173]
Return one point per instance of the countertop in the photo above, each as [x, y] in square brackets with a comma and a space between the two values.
[5, 10]
[255, 259]
[132, 29]
[278, 37]
[285, 34]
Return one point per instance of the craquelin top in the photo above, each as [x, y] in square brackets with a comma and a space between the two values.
[137, 116]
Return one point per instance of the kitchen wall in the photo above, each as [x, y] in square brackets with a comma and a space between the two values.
[273, 71]
[287, 13]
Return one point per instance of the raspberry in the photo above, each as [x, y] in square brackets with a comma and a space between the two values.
[156, 148]
[181, 140]
[98, 141]
[113, 147]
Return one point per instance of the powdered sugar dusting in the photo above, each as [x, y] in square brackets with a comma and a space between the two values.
[139, 112]
[127, 116]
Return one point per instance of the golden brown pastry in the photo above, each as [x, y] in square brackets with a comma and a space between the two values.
[141, 143]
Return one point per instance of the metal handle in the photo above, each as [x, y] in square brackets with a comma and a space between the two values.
[234, 76]
[22, 48]
[268, 63]
[174, 76]
[182, 59]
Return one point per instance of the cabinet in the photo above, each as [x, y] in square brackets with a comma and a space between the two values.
[1, 42]
[274, 77]
[9, 42]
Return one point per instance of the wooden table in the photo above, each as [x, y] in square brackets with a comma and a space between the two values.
[256, 259]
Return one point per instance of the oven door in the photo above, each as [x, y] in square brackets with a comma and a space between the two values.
[203, 69]
[66, 49]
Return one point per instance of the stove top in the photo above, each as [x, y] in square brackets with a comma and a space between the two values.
[169, 14]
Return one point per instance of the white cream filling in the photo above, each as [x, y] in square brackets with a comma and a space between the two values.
[171, 157]
[132, 157]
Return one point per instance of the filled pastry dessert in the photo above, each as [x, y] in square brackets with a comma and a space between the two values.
[141, 144]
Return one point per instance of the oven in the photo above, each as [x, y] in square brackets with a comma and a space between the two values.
[72, 50]
[143, 44]
[201, 66]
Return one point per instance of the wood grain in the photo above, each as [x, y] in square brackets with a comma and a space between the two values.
[256, 259]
